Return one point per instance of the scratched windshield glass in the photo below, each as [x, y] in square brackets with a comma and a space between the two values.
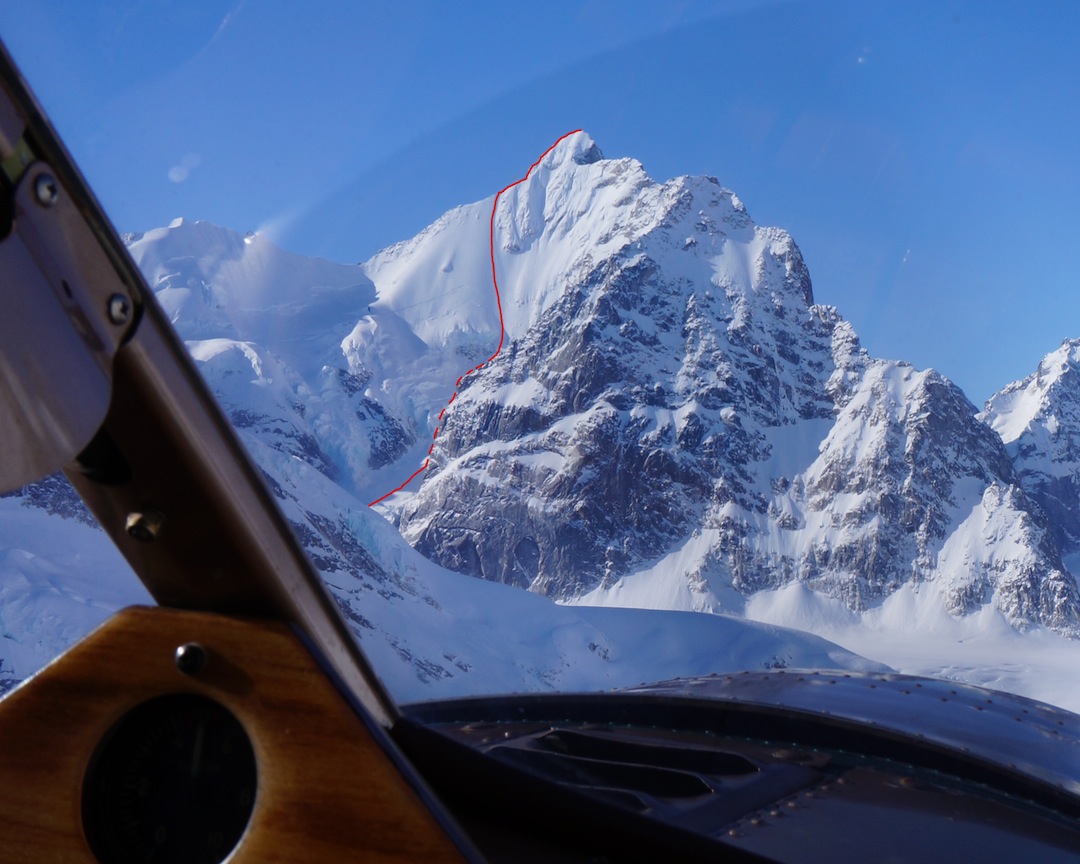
[610, 344]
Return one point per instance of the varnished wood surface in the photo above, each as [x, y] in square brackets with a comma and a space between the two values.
[327, 792]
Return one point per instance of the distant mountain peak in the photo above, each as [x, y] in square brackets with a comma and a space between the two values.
[1033, 402]
[1038, 418]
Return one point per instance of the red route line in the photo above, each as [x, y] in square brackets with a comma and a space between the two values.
[498, 302]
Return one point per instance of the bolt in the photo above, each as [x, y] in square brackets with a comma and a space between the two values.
[144, 526]
[46, 190]
[191, 658]
[119, 309]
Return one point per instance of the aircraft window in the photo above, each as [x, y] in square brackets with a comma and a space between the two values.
[814, 413]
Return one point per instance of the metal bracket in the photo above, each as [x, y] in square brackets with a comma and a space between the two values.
[64, 311]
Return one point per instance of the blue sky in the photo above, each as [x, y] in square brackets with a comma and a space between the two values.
[922, 154]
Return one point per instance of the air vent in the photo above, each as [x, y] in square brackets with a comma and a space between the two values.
[698, 785]
[640, 752]
[601, 775]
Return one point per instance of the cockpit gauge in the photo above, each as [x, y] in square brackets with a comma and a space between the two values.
[174, 780]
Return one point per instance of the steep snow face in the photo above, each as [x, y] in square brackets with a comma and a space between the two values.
[574, 207]
[1039, 421]
[1025, 407]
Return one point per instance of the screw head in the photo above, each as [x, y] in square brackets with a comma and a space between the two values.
[144, 526]
[46, 190]
[190, 658]
[119, 309]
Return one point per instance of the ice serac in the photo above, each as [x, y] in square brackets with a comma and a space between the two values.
[269, 329]
[673, 422]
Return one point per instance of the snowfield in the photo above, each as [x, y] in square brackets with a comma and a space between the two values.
[430, 633]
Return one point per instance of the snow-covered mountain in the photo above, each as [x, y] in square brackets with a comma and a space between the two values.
[1039, 421]
[671, 423]
[677, 424]
[283, 342]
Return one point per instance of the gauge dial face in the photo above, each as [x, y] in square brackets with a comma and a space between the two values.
[173, 781]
